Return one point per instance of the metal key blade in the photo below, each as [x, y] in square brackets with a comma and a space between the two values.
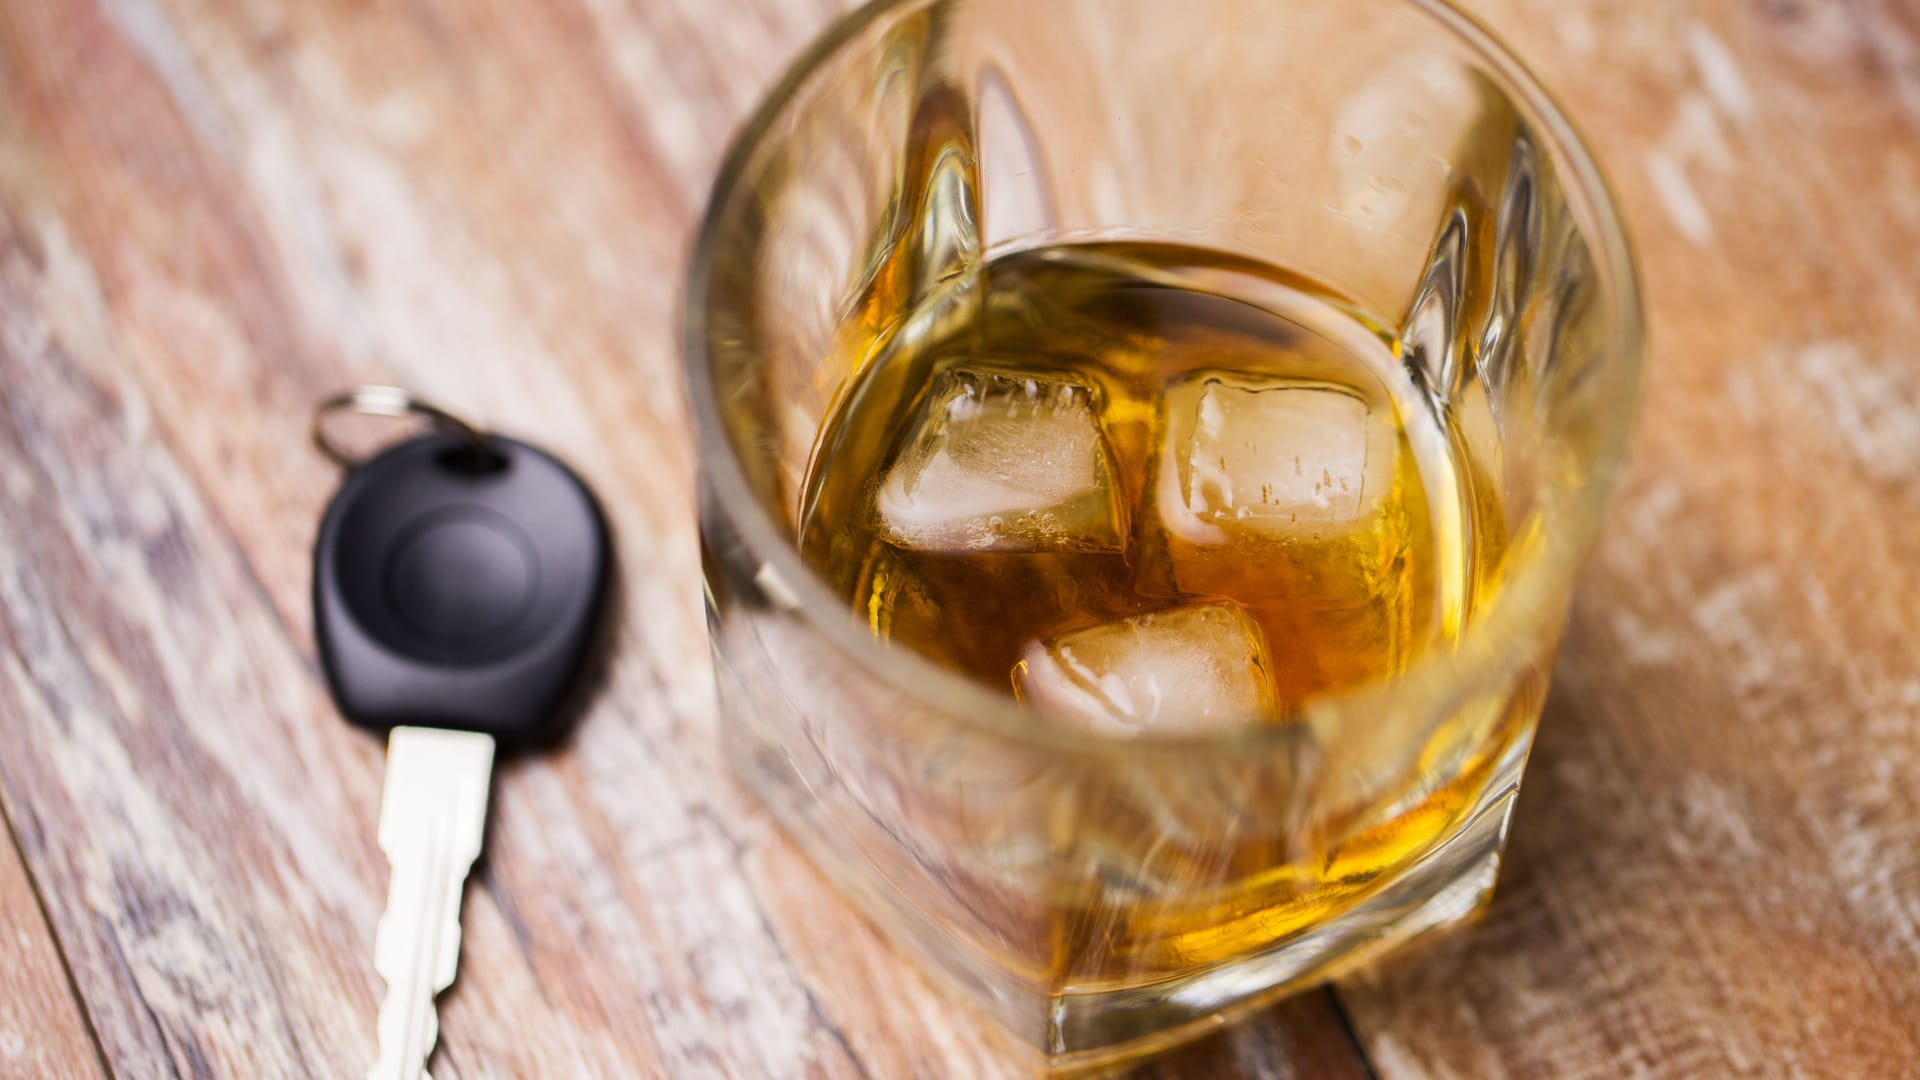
[433, 816]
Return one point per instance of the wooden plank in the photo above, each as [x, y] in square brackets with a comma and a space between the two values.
[42, 1030]
[209, 216]
[1715, 869]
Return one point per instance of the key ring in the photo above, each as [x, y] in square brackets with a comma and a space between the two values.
[389, 401]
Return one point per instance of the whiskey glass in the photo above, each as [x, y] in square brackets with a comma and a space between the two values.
[1102, 897]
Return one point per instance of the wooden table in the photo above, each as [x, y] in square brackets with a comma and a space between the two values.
[213, 213]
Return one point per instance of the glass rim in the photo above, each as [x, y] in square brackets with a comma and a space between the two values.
[1481, 650]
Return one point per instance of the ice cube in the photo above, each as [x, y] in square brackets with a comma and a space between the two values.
[1184, 670]
[1261, 477]
[1004, 460]
[1278, 456]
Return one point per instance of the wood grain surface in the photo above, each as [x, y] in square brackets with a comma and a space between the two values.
[42, 1029]
[213, 213]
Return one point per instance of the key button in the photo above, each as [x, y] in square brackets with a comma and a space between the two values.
[461, 574]
[454, 598]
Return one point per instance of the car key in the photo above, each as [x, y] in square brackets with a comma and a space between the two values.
[459, 579]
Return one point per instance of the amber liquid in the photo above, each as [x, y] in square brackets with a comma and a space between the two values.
[1141, 326]
[1256, 445]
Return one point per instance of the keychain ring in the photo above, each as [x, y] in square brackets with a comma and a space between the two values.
[388, 401]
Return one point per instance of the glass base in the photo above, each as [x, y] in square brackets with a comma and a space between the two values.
[1088, 1031]
[1447, 887]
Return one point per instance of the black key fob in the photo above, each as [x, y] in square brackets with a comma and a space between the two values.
[460, 586]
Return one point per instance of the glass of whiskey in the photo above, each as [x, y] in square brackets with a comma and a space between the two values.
[1146, 453]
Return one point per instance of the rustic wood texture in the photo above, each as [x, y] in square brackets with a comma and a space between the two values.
[213, 213]
[42, 1030]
